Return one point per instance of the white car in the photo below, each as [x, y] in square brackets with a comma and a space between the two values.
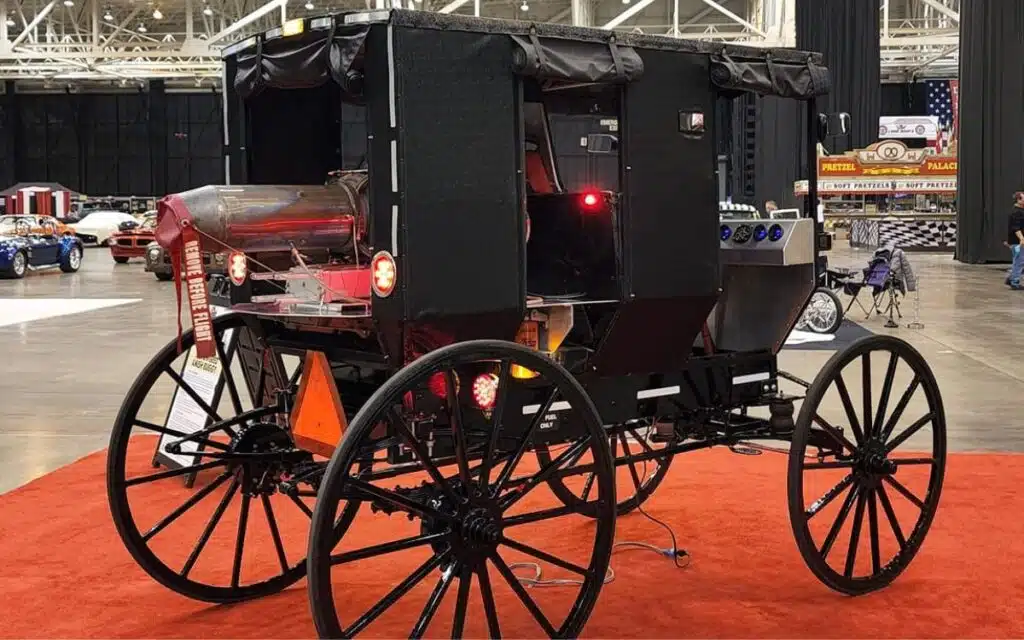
[98, 226]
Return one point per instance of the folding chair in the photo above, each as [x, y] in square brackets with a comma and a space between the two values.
[886, 289]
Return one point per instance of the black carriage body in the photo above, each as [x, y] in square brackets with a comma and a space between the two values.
[445, 101]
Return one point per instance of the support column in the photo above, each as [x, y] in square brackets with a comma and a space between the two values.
[583, 13]
[9, 126]
[991, 127]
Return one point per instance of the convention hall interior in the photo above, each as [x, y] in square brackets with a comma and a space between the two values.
[511, 318]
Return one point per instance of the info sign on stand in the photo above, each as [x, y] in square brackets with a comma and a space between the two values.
[206, 379]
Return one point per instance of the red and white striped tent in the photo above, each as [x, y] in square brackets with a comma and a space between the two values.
[39, 198]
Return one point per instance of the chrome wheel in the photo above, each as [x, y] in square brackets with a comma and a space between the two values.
[75, 258]
[824, 312]
[18, 264]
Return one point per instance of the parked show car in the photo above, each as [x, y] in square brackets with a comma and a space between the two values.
[132, 238]
[158, 262]
[98, 226]
[31, 243]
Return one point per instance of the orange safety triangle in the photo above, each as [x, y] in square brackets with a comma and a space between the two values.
[318, 419]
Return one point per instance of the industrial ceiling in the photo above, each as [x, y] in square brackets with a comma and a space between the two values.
[84, 44]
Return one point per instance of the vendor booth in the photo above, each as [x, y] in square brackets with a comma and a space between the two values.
[39, 198]
[890, 194]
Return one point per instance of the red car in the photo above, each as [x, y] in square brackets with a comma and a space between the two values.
[131, 241]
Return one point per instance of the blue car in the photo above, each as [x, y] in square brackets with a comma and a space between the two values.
[31, 243]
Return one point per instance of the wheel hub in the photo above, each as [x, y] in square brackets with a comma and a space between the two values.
[874, 461]
[480, 527]
[262, 473]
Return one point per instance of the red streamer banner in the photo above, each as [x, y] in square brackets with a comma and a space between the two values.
[194, 275]
[954, 95]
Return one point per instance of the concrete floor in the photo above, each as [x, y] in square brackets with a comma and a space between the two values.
[65, 375]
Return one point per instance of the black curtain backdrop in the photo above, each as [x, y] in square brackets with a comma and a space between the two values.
[781, 156]
[846, 32]
[991, 125]
[904, 99]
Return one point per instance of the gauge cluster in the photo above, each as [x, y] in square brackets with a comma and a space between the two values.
[753, 240]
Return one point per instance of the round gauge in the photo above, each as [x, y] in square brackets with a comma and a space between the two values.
[775, 232]
[742, 234]
[760, 233]
[725, 232]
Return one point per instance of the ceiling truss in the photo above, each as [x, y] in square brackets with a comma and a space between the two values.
[73, 44]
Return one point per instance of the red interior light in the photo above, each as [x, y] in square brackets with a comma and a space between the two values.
[438, 385]
[591, 200]
[485, 390]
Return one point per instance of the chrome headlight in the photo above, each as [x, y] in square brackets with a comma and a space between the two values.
[154, 254]
[218, 258]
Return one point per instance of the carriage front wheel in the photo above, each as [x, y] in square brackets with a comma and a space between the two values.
[866, 464]
[459, 506]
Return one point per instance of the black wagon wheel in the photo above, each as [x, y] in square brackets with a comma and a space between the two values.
[467, 516]
[866, 464]
[187, 502]
[639, 466]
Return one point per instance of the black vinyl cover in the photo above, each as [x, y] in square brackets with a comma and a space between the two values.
[771, 78]
[300, 62]
[575, 61]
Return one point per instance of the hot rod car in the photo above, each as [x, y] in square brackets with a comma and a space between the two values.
[131, 239]
[30, 243]
[158, 262]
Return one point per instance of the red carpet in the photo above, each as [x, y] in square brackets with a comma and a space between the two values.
[65, 572]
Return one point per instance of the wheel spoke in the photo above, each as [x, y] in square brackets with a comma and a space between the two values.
[909, 431]
[894, 522]
[210, 526]
[275, 533]
[149, 426]
[191, 502]
[386, 547]
[207, 409]
[395, 594]
[537, 516]
[506, 473]
[876, 563]
[837, 525]
[632, 468]
[524, 597]
[827, 499]
[901, 462]
[836, 434]
[865, 366]
[301, 505]
[171, 473]
[897, 485]
[433, 602]
[543, 555]
[901, 406]
[490, 611]
[883, 401]
[229, 378]
[835, 464]
[500, 400]
[851, 413]
[542, 475]
[462, 603]
[243, 523]
[455, 420]
[428, 465]
[858, 519]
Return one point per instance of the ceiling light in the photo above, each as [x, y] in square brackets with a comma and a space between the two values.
[157, 15]
[207, 11]
[309, 6]
[142, 28]
[525, 6]
[109, 17]
[69, 3]
[10, 23]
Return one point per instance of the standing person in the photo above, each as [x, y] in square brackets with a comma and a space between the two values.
[1015, 238]
[769, 207]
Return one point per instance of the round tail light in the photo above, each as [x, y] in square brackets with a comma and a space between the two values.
[383, 274]
[238, 268]
[485, 390]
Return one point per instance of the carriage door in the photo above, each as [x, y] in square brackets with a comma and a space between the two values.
[45, 244]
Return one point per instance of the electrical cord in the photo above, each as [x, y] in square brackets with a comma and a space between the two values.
[673, 553]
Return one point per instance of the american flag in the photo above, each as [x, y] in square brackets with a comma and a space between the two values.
[940, 102]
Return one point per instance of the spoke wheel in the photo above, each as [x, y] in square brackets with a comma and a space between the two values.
[866, 464]
[636, 480]
[824, 312]
[462, 527]
[234, 534]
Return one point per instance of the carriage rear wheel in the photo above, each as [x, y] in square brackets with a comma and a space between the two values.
[879, 443]
[636, 479]
[462, 504]
[188, 510]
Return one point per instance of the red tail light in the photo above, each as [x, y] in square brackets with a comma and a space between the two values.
[238, 269]
[591, 200]
[485, 390]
